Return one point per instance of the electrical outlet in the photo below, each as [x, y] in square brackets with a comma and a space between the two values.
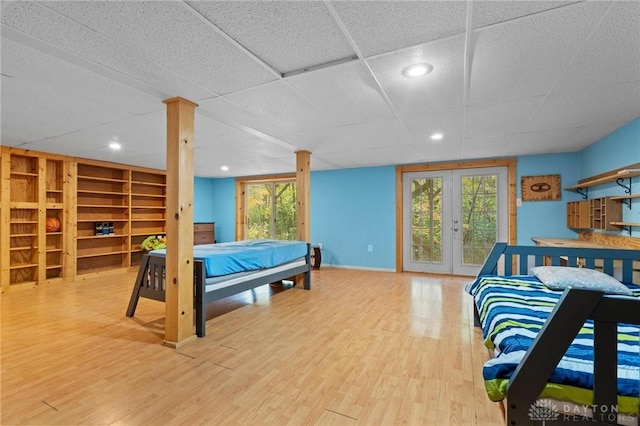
[320, 246]
[369, 248]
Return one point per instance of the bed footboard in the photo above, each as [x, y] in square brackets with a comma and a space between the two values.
[574, 308]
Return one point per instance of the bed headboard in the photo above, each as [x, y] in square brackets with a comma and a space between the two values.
[504, 259]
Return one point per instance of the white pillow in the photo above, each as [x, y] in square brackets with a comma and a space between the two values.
[561, 277]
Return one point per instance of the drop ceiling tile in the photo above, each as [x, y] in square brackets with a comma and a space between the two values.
[347, 92]
[43, 29]
[283, 105]
[31, 113]
[170, 34]
[600, 105]
[138, 136]
[355, 137]
[50, 73]
[442, 89]
[444, 150]
[525, 57]
[483, 121]
[545, 142]
[383, 26]
[487, 147]
[288, 35]
[611, 55]
[449, 123]
[492, 12]
[229, 112]
[346, 158]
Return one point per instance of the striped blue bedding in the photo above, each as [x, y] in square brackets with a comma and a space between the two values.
[241, 256]
[512, 311]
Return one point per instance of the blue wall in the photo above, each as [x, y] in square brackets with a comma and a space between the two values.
[619, 149]
[354, 208]
[214, 201]
[546, 218]
[202, 200]
[224, 198]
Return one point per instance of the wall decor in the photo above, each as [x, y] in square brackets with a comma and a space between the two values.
[540, 188]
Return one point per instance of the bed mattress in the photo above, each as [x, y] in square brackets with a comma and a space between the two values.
[513, 310]
[241, 256]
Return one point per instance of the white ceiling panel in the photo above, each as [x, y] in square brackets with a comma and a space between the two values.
[483, 120]
[31, 113]
[611, 52]
[171, 35]
[283, 105]
[442, 89]
[347, 92]
[492, 12]
[45, 72]
[483, 147]
[59, 36]
[540, 77]
[449, 123]
[400, 154]
[384, 26]
[439, 150]
[139, 136]
[288, 35]
[525, 57]
[551, 141]
[608, 104]
[354, 137]
[228, 111]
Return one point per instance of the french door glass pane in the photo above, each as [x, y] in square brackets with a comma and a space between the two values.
[259, 211]
[479, 217]
[426, 220]
[286, 220]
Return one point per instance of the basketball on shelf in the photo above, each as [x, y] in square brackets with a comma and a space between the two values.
[53, 224]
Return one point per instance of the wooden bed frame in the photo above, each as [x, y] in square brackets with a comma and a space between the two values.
[150, 284]
[572, 310]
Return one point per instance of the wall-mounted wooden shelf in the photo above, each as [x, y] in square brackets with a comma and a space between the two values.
[627, 172]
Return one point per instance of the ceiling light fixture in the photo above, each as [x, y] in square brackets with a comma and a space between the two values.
[417, 70]
[437, 136]
[224, 168]
[115, 146]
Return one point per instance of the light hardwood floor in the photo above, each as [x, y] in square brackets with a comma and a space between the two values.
[360, 348]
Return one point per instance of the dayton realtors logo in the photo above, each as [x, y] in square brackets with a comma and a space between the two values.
[543, 410]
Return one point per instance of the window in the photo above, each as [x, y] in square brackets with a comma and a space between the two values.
[267, 209]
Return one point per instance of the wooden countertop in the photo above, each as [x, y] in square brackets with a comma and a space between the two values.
[567, 242]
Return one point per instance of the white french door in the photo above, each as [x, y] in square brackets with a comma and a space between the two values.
[452, 218]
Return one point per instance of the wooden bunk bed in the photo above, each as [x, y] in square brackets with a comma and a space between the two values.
[536, 350]
[211, 286]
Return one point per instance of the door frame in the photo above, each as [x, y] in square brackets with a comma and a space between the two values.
[509, 163]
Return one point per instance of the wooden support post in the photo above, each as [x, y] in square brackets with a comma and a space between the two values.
[303, 190]
[179, 258]
[70, 218]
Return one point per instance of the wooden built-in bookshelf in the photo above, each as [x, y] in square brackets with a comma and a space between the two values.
[77, 193]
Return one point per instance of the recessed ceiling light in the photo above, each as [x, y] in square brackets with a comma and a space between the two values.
[437, 136]
[417, 70]
[115, 146]
[224, 168]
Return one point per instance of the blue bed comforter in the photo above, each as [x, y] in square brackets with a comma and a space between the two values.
[241, 256]
[512, 311]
